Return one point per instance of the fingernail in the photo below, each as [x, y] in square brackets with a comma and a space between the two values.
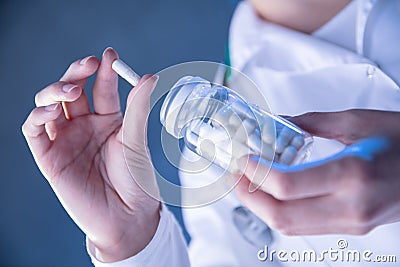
[146, 77]
[51, 107]
[69, 87]
[83, 61]
[152, 76]
[107, 49]
[253, 187]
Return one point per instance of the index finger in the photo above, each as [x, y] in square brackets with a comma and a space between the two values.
[105, 88]
[348, 126]
[302, 181]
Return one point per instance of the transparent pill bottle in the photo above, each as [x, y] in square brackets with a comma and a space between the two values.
[219, 125]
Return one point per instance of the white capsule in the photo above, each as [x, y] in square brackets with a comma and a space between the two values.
[222, 157]
[215, 134]
[125, 72]
[235, 120]
[297, 141]
[284, 138]
[288, 155]
[239, 149]
[220, 134]
[268, 131]
[205, 131]
[222, 116]
[242, 109]
[254, 142]
[191, 138]
[245, 130]
[267, 152]
[207, 149]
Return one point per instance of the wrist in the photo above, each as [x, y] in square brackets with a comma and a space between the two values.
[130, 243]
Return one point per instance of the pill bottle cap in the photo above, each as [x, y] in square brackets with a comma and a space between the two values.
[174, 101]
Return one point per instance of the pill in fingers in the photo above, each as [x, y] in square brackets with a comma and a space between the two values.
[66, 111]
[125, 72]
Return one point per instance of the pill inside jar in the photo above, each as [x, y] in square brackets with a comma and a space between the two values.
[219, 125]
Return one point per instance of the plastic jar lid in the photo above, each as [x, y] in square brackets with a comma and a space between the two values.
[175, 100]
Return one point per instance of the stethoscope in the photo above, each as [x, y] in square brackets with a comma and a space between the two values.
[252, 228]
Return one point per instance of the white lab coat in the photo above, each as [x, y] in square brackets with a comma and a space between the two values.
[351, 62]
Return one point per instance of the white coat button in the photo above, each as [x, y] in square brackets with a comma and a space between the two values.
[371, 72]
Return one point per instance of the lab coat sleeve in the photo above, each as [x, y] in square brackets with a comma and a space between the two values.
[167, 248]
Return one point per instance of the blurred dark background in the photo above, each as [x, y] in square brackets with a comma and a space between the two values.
[39, 39]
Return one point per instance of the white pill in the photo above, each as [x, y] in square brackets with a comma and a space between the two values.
[242, 109]
[268, 132]
[278, 128]
[222, 116]
[226, 146]
[205, 131]
[239, 149]
[235, 120]
[207, 149]
[220, 134]
[288, 155]
[245, 130]
[254, 142]
[191, 137]
[297, 141]
[267, 152]
[223, 157]
[125, 72]
[215, 134]
[280, 145]
[284, 138]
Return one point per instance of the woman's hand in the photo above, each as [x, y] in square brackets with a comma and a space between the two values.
[349, 193]
[83, 159]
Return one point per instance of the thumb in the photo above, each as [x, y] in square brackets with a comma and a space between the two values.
[331, 125]
[137, 112]
[348, 126]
